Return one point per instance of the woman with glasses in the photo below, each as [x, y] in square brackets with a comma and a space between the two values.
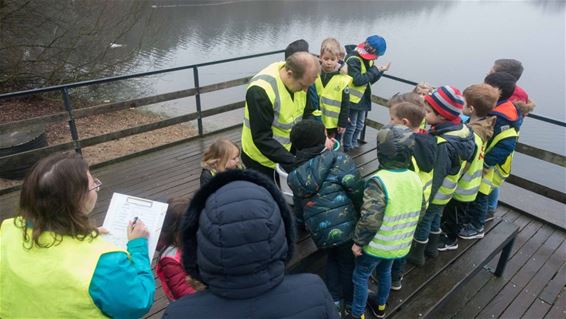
[53, 262]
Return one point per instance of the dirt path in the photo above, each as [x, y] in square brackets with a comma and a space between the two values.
[96, 125]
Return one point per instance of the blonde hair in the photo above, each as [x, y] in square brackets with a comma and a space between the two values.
[332, 46]
[482, 97]
[218, 154]
[423, 88]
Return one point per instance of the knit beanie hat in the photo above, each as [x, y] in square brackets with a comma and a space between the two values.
[308, 133]
[446, 101]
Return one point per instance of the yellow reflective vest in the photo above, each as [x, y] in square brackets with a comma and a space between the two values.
[450, 182]
[331, 98]
[426, 180]
[287, 111]
[404, 195]
[469, 184]
[47, 282]
[357, 92]
[496, 175]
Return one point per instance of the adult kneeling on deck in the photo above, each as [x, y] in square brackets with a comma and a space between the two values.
[237, 236]
[276, 99]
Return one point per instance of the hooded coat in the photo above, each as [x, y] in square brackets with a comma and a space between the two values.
[327, 190]
[241, 231]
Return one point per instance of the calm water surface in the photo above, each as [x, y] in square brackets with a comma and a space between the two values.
[441, 42]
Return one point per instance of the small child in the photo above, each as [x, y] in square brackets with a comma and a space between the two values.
[393, 201]
[480, 101]
[332, 88]
[407, 109]
[423, 89]
[455, 148]
[223, 154]
[327, 190]
[174, 280]
[498, 154]
[364, 73]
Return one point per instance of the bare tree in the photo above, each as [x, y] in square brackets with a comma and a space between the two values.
[46, 42]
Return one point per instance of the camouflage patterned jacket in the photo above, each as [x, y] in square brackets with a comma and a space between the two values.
[327, 192]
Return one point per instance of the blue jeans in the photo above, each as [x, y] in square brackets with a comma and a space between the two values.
[478, 210]
[365, 264]
[355, 127]
[493, 199]
[339, 269]
[398, 268]
[430, 223]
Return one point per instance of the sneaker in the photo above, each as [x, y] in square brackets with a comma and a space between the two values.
[470, 232]
[396, 284]
[446, 244]
[349, 316]
[378, 311]
[490, 215]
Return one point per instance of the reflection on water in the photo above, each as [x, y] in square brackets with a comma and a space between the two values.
[441, 42]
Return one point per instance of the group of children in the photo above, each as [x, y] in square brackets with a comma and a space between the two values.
[441, 157]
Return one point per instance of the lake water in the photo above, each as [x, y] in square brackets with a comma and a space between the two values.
[441, 42]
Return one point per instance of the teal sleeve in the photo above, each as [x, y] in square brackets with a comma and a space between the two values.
[123, 286]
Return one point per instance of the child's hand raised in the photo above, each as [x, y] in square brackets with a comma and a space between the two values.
[383, 68]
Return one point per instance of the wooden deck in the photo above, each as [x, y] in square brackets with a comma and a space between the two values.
[533, 285]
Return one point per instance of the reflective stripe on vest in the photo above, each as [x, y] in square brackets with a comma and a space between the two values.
[404, 194]
[331, 98]
[286, 112]
[357, 92]
[448, 186]
[47, 282]
[469, 183]
[495, 176]
[426, 179]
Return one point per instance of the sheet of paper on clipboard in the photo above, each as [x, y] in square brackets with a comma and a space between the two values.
[124, 208]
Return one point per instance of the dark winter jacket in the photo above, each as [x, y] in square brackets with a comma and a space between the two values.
[205, 176]
[450, 155]
[424, 151]
[241, 231]
[327, 190]
[370, 77]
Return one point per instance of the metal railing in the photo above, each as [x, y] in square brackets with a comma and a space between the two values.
[71, 114]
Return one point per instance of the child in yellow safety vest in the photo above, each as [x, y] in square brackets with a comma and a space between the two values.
[455, 147]
[498, 154]
[332, 87]
[392, 205]
[407, 109]
[480, 101]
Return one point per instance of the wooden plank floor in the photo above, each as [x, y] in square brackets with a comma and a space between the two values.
[533, 285]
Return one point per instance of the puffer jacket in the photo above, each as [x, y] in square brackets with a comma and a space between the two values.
[241, 231]
[327, 191]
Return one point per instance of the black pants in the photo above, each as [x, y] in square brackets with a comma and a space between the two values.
[251, 164]
[339, 268]
[453, 218]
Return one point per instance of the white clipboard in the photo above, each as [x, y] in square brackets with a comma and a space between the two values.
[123, 209]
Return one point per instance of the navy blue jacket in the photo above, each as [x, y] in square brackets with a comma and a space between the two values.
[370, 77]
[327, 190]
[238, 234]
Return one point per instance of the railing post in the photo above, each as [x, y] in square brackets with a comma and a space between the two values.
[197, 98]
[72, 125]
[362, 138]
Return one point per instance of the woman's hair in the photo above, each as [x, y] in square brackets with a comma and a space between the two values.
[172, 223]
[332, 46]
[53, 199]
[218, 154]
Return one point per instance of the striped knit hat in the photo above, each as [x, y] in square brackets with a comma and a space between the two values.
[446, 101]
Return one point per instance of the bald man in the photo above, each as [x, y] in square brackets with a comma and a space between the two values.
[276, 99]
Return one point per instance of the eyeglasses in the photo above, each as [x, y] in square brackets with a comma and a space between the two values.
[97, 184]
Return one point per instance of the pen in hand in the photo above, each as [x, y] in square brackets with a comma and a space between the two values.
[137, 232]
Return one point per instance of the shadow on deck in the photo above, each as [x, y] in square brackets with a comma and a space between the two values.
[533, 285]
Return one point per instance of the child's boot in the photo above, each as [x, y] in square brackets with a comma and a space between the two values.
[431, 249]
[416, 254]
